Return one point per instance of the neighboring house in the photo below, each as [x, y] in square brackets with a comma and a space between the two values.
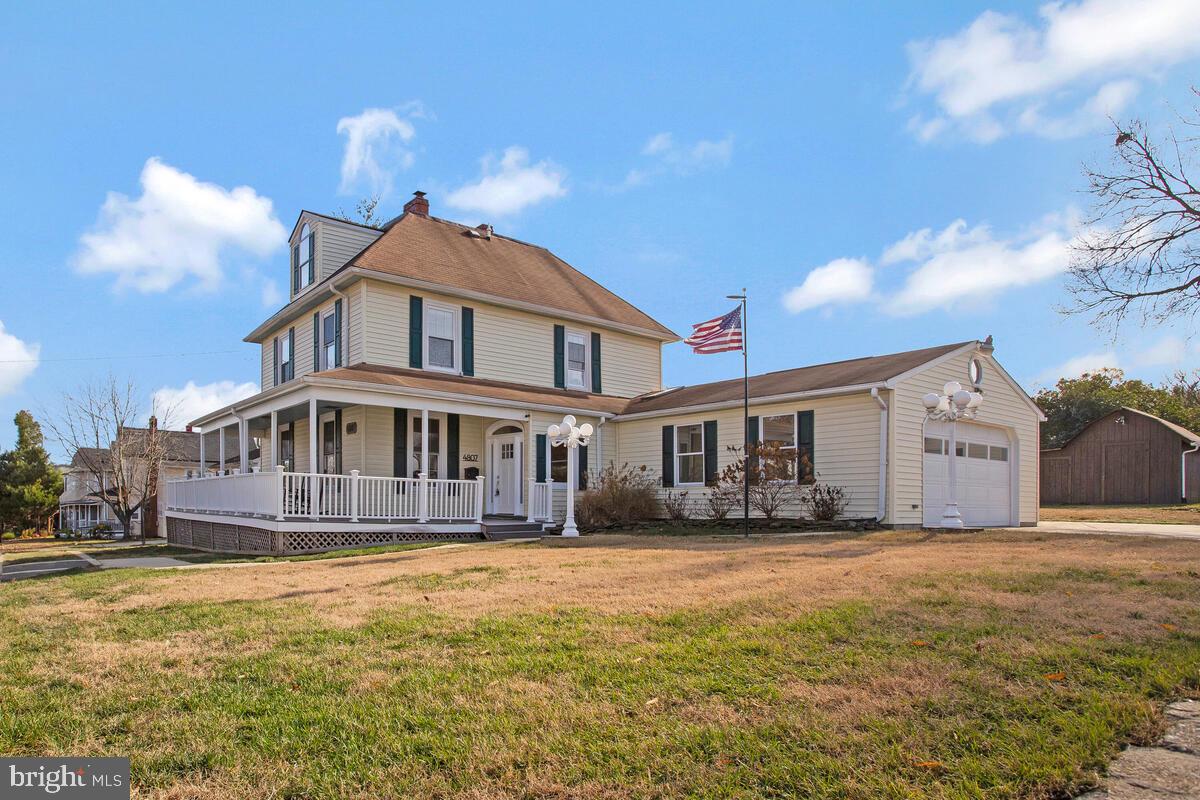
[80, 506]
[1124, 457]
[409, 382]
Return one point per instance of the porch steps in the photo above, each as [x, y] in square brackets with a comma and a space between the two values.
[495, 530]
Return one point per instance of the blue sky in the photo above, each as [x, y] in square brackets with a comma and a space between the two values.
[880, 178]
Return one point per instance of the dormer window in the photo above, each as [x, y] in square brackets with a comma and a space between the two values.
[304, 259]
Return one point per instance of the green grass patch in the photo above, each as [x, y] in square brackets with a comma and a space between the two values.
[936, 694]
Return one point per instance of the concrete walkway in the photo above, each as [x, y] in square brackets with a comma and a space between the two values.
[1119, 529]
[1170, 770]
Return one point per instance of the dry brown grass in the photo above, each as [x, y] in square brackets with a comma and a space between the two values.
[1170, 514]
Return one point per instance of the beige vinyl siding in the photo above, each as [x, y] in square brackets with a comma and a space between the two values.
[268, 364]
[379, 441]
[629, 365]
[355, 296]
[300, 444]
[338, 242]
[352, 443]
[510, 345]
[846, 442]
[1003, 405]
[304, 355]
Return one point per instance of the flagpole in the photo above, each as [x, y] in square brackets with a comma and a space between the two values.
[745, 414]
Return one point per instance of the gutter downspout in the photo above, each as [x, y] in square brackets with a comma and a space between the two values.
[1183, 466]
[600, 443]
[881, 512]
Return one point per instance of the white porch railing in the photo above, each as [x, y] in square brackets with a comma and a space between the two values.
[300, 495]
[541, 501]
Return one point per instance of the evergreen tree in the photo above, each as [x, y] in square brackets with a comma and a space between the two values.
[30, 484]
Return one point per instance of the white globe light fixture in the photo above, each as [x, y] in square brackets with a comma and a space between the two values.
[953, 404]
[572, 438]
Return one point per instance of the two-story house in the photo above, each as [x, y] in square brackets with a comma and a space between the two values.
[409, 382]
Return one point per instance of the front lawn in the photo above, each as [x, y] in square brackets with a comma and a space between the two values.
[886, 665]
[1173, 514]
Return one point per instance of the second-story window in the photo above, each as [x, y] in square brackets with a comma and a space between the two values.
[306, 256]
[329, 354]
[577, 360]
[441, 337]
[283, 345]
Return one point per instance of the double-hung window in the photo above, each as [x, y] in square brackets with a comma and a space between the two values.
[283, 346]
[780, 431]
[689, 455]
[329, 337]
[441, 337]
[306, 256]
[577, 360]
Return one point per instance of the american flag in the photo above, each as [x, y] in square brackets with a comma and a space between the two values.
[717, 335]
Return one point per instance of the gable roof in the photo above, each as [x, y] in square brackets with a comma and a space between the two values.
[450, 254]
[1183, 433]
[835, 375]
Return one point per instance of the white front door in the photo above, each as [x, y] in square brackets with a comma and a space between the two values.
[505, 471]
[983, 466]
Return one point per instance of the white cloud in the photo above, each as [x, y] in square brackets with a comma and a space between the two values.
[179, 227]
[510, 185]
[1001, 72]
[376, 145]
[841, 281]
[18, 360]
[272, 295]
[182, 405]
[1074, 367]
[962, 264]
[1167, 351]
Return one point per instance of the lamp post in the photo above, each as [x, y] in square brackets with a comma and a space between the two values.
[953, 404]
[570, 437]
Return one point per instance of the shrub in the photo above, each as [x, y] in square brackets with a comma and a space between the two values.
[721, 499]
[676, 506]
[825, 503]
[618, 495]
[772, 477]
[7, 535]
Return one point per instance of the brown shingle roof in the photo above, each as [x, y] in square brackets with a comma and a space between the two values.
[443, 252]
[855, 372]
[477, 387]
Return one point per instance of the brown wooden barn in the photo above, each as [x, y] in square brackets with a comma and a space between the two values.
[1125, 457]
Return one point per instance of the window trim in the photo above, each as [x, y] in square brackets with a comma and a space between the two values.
[282, 340]
[308, 255]
[414, 436]
[584, 338]
[455, 328]
[678, 455]
[325, 346]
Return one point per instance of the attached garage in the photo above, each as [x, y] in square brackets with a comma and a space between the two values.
[984, 463]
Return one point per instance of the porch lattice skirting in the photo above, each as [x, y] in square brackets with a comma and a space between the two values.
[249, 539]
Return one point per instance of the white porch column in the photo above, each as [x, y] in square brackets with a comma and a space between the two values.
[274, 439]
[312, 436]
[221, 450]
[203, 465]
[244, 445]
[425, 441]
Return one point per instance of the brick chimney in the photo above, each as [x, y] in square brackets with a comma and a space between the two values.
[418, 205]
[153, 423]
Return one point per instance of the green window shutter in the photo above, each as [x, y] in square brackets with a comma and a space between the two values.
[295, 268]
[312, 256]
[452, 446]
[468, 341]
[752, 424]
[581, 456]
[291, 370]
[400, 443]
[560, 355]
[415, 342]
[540, 457]
[806, 471]
[316, 341]
[710, 452]
[337, 333]
[668, 455]
[596, 363]
[275, 361]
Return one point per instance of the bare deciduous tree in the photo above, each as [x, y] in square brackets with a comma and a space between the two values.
[1139, 252]
[97, 425]
[365, 208]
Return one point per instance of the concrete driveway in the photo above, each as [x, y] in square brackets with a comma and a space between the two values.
[1120, 529]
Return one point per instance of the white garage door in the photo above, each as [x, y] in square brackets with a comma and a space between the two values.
[984, 469]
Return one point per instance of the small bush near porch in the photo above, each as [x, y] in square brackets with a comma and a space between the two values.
[886, 665]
